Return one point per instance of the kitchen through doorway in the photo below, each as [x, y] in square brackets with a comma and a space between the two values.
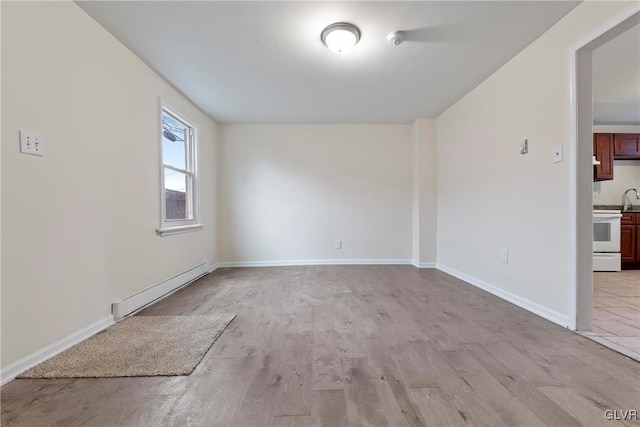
[608, 290]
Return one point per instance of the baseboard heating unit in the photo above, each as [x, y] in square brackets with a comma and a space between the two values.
[145, 297]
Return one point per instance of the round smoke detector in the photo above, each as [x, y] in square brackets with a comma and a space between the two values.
[395, 38]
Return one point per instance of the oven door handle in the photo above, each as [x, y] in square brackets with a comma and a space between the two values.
[606, 218]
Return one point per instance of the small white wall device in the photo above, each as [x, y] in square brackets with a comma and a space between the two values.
[396, 38]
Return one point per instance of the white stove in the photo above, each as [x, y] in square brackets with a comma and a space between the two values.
[606, 240]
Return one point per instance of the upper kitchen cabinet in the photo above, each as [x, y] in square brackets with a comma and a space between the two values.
[603, 150]
[626, 146]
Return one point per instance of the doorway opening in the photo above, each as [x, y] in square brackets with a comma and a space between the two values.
[607, 304]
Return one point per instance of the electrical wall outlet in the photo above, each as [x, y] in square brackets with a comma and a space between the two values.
[31, 143]
[524, 147]
[504, 256]
[338, 244]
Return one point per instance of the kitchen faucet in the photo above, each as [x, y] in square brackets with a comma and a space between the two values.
[626, 202]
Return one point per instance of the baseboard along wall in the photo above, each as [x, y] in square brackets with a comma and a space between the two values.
[301, 262]
[14, 369]
[423, 264]
[544, 312]
[120, 309]
[161, 290]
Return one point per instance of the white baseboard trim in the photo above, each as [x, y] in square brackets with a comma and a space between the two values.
[214, 267]
[423, 264]
[288, 263]
[145, 297]
[551, 315]
[14, 369]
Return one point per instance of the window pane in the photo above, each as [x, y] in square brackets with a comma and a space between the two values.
[174, 139]
[176, 197]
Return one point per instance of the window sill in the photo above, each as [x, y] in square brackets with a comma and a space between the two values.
[168, 231]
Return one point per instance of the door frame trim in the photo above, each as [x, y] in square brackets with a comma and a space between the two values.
[580, 188]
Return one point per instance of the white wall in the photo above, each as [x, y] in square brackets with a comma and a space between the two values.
[424, 208]
[78, 225]
[288, 192]
[626, 174]
[616, 129]
[489, 196]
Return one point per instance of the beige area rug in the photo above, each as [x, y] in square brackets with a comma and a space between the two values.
[139, 346]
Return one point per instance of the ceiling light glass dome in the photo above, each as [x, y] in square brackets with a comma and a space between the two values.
[340, 37]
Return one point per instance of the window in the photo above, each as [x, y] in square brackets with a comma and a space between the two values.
[178, 175]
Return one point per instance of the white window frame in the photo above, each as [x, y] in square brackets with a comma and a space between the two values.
[175, 226]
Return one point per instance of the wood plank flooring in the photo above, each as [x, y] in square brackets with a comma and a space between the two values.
[616, 311]
[353, 346]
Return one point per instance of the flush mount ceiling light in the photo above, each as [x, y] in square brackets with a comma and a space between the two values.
[340, 37]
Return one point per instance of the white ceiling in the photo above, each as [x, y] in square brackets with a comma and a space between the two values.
[263, 62]
[616, 80]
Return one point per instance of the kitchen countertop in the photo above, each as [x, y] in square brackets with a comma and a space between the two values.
[634, 209]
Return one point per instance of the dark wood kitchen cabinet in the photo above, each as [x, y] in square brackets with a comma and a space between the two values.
[638, 244]
[628, 244]
[630, 240]
[626, 146]
[603, 150]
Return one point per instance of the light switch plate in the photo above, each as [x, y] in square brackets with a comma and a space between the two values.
[31, 143]
[557, 154]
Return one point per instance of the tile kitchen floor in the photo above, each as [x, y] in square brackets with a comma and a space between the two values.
[616, 311]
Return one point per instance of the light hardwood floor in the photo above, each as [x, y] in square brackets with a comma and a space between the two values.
[353, 346]
[616, 311]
